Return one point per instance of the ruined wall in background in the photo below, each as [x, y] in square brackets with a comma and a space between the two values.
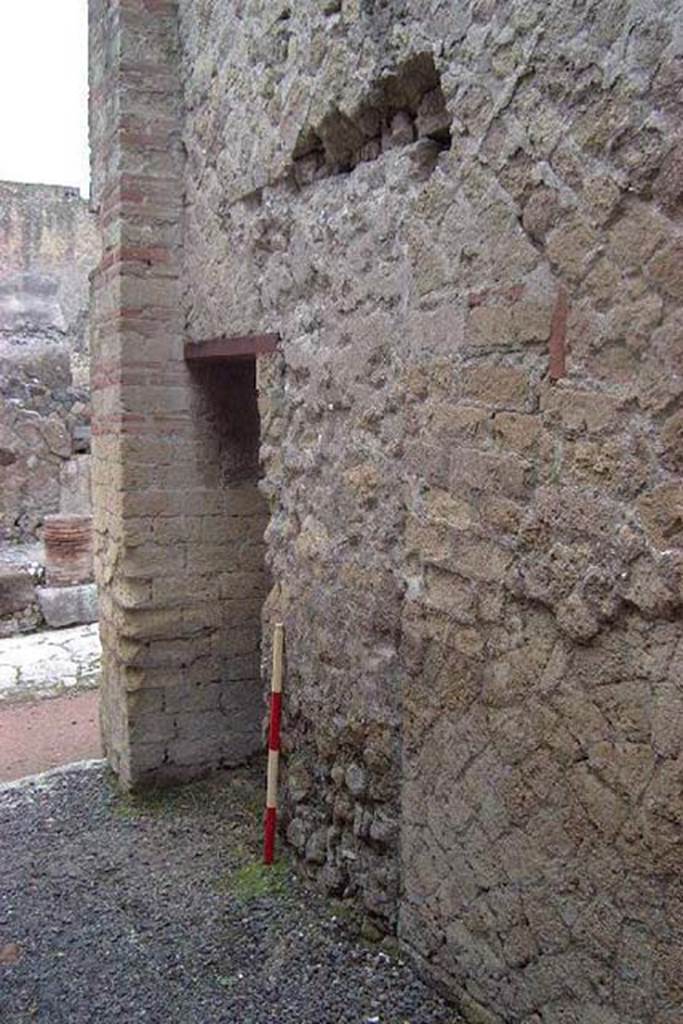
[476, 552]
[48, 246]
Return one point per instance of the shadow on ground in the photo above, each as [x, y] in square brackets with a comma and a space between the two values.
[158, 910]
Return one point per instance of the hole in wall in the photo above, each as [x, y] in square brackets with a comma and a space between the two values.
[231, 418]
[402, 107]
[240, 433]
[228, 545]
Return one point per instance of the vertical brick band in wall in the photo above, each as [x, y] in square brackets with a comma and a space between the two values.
[179, 520]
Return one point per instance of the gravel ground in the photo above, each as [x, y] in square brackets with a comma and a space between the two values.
[113, 910]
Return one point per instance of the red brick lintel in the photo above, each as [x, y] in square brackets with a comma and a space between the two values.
[227, 349]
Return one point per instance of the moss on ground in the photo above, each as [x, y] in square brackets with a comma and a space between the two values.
[156, 802]
[254, 880]
[238, 795]
[231, 805]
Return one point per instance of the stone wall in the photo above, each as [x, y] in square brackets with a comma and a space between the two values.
[464, 221]
[478, 565]
[48, 245]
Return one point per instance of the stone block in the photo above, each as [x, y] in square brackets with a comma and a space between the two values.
[448, 592]
[145, 701]
[571, 247]
[68, 606]
[452, 509]
[20, 573]
[474, 470]
[661, 512]
[241, 667]
[187, 697]
[433, 119]
[518, 431]
[503, 387]
[671, 441]
[500, 326]
[636, 234]
[665, 270]
[17, 590]
[151, 727]
[578, 410]
[148, 560]
[480, 560]
[541, 213]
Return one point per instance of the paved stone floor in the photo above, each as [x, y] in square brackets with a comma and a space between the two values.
[49, 663]
[48, 704]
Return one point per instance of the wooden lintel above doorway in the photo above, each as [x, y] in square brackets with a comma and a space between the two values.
[227, 349]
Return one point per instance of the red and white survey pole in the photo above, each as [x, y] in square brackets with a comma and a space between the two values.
[270, 825]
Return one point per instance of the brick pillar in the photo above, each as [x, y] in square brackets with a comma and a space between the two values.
[180, 690]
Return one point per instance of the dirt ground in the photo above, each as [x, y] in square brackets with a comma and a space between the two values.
[117, 910]
[38, 735]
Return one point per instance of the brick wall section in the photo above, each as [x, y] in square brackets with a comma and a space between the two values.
[177, 576]
[472, 447]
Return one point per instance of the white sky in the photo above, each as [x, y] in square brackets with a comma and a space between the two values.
[44, 92]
